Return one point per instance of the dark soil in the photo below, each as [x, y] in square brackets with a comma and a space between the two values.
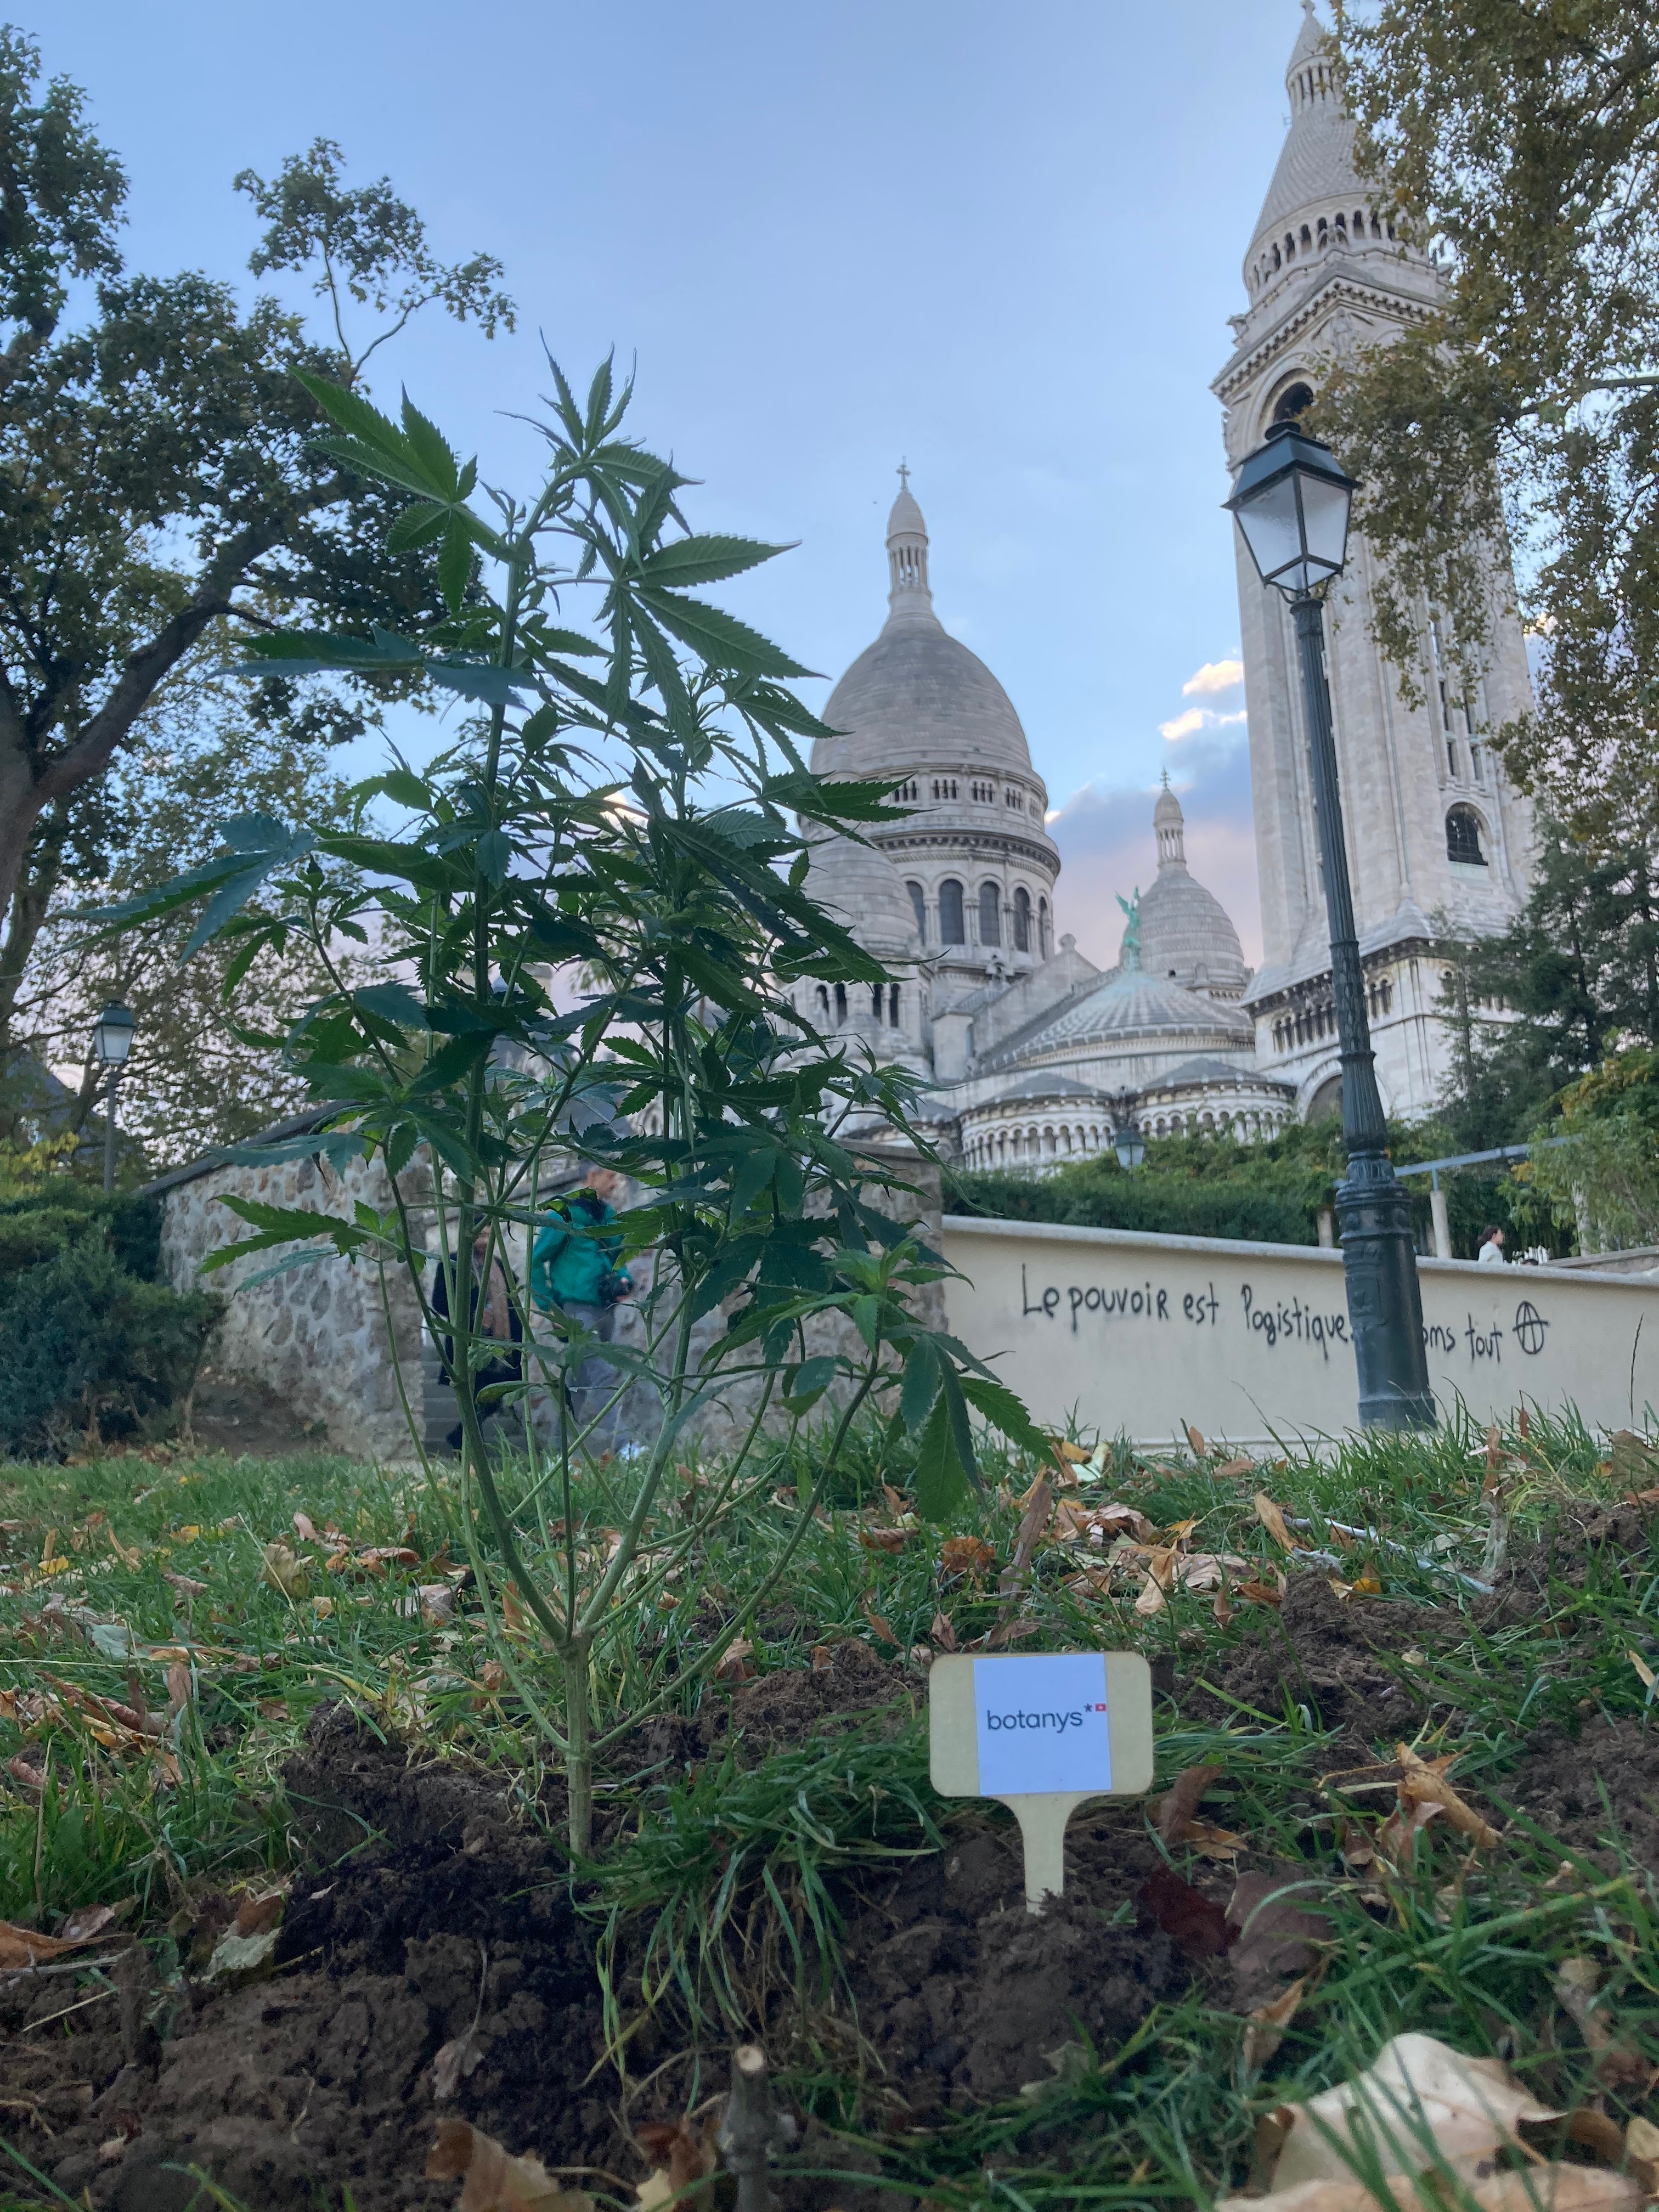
[1565, 1784]
[963, 1993]
[425, 1911]
[1339, 1659]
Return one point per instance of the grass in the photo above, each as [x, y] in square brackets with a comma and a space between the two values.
[730, 1873]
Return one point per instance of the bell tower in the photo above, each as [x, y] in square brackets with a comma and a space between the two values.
[1436, 839]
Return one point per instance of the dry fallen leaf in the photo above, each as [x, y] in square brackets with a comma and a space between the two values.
[734, 1663]
[943, 1634]
[1180, 1801]
[1419, 2100]
[283, 1570]
[1267, 2023]
[965, 1556]
[1261, 1593]
[1197, 1924]
[23, 1947]
[1423, 1784]
[1538, 2189]
[1642, 2154]
[1195, 1438]
[883, 1540]
[305, 1530]
[455, 2061]
[493, 2181]
[879, 1621]
[1272, 1518]
[1039, 1503]
[1232, 1467]
[178, 1688]
[681, 2154]
[1276, 1923]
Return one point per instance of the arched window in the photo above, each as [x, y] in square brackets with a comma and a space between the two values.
[1277, 261]
[1022, 919]
[1291, 403]
[1042, 927]
[918, 907]
[951, 927]
[892, 1006]
[824, 1002]
[990, 914]
[1463, 826]
[875, 1004]
[841, 1005]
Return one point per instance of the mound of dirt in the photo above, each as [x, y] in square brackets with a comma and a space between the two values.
[963, 1993]
[448, 1919]
[781, 1710]
[1322, 1652]
[1561, 1780]
[1585, 1534]
[428, 1915]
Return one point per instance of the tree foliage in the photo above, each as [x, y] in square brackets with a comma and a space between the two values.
[158, 468]
[1520, 141]
[1574, 980]
[193, 1080]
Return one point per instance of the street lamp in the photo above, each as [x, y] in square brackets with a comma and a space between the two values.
[112, 1041]
[1292, 501]
[1126, 1141]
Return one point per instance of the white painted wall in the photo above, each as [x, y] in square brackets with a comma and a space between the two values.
[1247, 1342]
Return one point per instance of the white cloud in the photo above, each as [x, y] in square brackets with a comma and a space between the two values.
[1194, 720]
[1214, 676]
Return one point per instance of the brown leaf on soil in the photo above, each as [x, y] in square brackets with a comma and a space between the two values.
[735, 1662]
[23, 1947]
[179, 1693]
[965, 1559]
[943, 1634]
[1232, 1467]
[1423, 1783]
[1272, 1518]
[1039, 1510]
[1098, 1524]
[492, 2179]
[1195, 1921]
[883, 1540]
[1267, 2024]
[1063, 1448]
[1180, 1801]
[1642, 2154]
[879, 1621]
[1195, 1438]
[459, 2057]
[305, 1530]
[1276, 1931]
[255, 1916]
[682, 2153]
[184, 1584]
[1261, 1593]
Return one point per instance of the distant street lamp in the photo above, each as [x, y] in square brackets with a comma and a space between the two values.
[112, 1041]
[1293, 502]
[1126, 1141]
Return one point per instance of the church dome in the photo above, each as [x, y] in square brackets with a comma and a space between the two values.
[1131, 1003]
[917, 698]
[1187, 937]
[860, 888]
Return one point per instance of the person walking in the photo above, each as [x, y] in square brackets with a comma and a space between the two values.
[573, 1271]
[1491, 1253]
[494, 1317]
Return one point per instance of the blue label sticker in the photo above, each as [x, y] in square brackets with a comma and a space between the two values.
[1042, 1724]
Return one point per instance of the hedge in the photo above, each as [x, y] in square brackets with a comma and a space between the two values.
[1167, 1206]
[90, 1342]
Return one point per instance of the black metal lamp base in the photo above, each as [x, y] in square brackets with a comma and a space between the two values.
[1385, 1307]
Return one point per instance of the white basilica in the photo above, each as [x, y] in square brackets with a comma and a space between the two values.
[1035, 1056]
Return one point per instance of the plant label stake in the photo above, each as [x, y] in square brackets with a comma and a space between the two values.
[1041, 1732]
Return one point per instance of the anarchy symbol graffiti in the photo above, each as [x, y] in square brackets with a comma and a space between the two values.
[1529, 1327]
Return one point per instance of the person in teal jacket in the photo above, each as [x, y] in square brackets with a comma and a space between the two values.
[575, 1272]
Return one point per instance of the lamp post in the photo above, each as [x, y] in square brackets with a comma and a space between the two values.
[1292, 501]
[112, 1041]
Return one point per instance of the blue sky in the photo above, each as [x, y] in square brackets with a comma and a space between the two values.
[999, 240]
